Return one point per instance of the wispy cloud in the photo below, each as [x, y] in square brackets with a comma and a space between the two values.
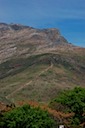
[38, 9]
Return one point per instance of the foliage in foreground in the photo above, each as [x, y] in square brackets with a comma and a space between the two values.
[74, 100]
[26, 117]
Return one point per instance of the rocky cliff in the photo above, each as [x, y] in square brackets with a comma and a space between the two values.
[17, 40]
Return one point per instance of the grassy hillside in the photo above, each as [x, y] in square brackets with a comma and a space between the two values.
[41, 77]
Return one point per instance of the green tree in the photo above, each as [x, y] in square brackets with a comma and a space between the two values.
[75, 100]
[26, 117]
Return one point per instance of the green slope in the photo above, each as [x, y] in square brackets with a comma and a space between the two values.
[41, 77]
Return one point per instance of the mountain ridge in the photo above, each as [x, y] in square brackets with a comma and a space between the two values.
[16, 39]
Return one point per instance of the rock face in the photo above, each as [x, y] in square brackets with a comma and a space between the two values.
[17, 40]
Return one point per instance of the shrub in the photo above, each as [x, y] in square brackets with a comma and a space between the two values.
[75, 100]
[26, 117]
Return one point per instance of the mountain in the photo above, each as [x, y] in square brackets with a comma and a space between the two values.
[36, 64]
[18, 40]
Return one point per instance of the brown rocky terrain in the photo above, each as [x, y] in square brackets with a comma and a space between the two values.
[18, 40]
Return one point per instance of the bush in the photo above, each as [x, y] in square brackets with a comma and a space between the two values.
[26, 117]
[75, 100]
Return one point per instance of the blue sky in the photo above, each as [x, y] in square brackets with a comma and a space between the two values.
[66, 15]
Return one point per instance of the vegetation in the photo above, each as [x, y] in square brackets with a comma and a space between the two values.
[26, 117]
[74, 100]
[65, 73]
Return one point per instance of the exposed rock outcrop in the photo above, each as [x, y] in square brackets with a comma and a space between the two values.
[17, 40]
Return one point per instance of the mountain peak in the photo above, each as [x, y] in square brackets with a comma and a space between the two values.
[12, 26]
[18, 40]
